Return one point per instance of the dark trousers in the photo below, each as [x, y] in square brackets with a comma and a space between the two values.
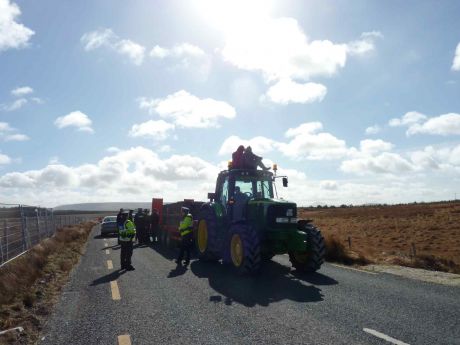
[125, 253]
[185, 248]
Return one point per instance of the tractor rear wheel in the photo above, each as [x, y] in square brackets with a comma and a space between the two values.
[244, 249]
[309, 260]
[206, 236]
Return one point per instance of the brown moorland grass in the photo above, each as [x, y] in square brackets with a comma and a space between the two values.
[30, 285]
[414, 235]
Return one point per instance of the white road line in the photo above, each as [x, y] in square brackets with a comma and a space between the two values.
[110, 264]
[107, 251]
[106, 244]
[353, 269]
[124, 339]
[384, 337]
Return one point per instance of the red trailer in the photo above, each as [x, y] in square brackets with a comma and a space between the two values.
[170, 216]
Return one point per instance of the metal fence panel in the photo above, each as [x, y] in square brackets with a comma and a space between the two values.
[22, 227]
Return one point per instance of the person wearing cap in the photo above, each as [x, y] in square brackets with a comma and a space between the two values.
[140, 223]
[186, 234]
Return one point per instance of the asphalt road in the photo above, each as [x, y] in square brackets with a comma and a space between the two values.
[208, 304]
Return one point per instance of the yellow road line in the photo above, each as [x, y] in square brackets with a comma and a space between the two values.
[110, 264]
[115, 291]
[353, 269]
[124, 339]
[107, 251]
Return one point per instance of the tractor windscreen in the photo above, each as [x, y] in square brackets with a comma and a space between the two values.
[254, 187]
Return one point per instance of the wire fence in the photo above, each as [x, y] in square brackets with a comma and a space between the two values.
[22, 227]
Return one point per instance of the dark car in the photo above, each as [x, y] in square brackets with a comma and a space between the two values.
[109, 225]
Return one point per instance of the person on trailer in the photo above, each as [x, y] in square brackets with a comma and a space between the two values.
[126, 241]
[186, 234]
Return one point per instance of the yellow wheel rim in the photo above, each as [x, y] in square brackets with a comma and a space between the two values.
[236, 249]
[301, 257]
[202, 236]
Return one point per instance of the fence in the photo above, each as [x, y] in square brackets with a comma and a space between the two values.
[22, 227]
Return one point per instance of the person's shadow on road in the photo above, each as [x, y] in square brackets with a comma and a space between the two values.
[274, 283]
[108, 278]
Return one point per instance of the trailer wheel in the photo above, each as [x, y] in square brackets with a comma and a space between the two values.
[312, 258]
[206, 241]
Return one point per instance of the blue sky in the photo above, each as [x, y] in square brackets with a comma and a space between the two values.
[358, 102]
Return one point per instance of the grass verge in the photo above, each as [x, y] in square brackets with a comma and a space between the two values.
[30, 285]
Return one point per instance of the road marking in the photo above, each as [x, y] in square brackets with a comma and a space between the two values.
[124, 339]
[115, 291]
[110, 264]
[106, 244]
[353, 269]
[384, 337]
[107, 251]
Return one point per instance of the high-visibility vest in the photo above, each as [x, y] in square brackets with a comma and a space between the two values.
[128, 232]
[186, 225]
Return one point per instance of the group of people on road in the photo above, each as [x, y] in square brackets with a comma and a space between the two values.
[142, 227]
[244, 158]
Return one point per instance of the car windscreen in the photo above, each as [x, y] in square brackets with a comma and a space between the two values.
[109, 219]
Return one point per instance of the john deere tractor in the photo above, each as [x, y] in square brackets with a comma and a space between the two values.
[244, 224]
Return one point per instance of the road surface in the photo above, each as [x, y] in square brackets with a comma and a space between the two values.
[208, 304]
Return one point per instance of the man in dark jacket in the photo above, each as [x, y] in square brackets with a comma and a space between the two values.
[252, 161]
[154, 222]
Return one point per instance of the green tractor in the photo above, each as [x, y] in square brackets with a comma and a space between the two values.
[244, 225]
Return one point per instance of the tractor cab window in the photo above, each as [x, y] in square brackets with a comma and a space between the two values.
[254, 188]
[224, 192]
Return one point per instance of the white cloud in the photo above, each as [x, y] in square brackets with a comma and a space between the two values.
[259, 145]
[373, 129]
[187, 110]
[287, 91]
[75, 119]
[365, 44]
[17, 104]
[328, 185]
[306, 142]
[113, 149]
[446, 124]
[374, 146]
[108, 39]
[135, 174]
[16, 137]
[184, 50]
[22, 91]
[456, 62]
[383, 163]
[408, 119]
[4, 159]
[279, 49]
[5, 127]
[157, 130]
[13, 35]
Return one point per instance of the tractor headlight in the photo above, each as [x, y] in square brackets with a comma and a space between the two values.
[282, 220]
[293, 220]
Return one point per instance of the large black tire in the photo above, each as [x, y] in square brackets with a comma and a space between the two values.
[312, 259]
[267, 256]
[244, 240]
[206, 237]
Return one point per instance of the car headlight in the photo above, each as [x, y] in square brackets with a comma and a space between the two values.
[293, 220]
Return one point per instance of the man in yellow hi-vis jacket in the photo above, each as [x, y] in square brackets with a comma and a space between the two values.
[127, 234]
[186, 234]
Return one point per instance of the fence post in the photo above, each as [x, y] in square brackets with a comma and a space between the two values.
[5, 235]
[38, 223]
[23, 227]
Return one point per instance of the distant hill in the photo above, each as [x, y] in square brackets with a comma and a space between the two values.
[103, 206]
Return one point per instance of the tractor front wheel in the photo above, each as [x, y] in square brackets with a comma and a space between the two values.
[312, 258]
[244, 249]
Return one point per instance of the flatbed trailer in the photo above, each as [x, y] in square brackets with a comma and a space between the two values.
[170, 216]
